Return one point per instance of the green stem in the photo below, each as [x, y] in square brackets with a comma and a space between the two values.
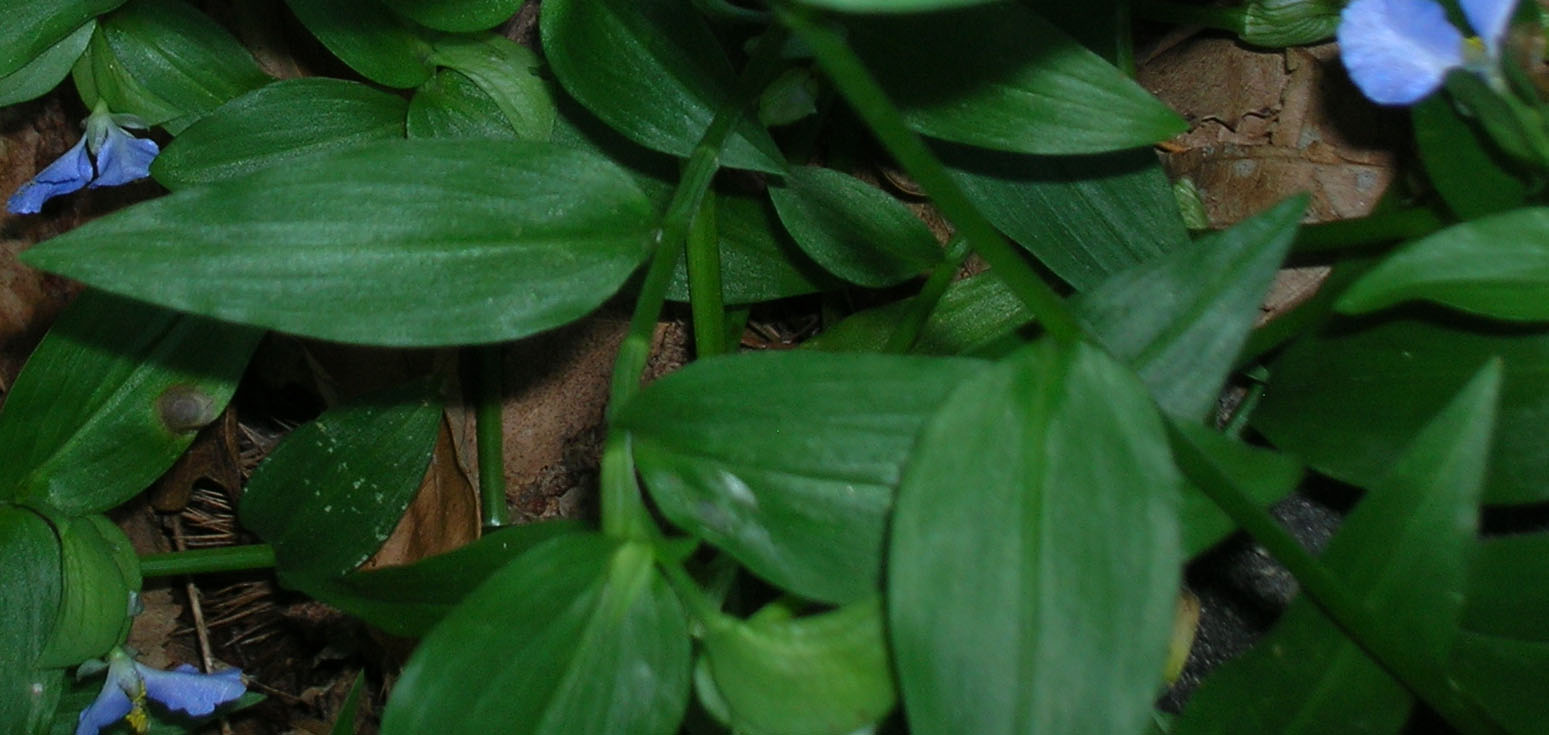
[869, 101]
[1163, 11]
[208, 561]
[489, 428]
[924, 303]
[1366, 232]
[699, 604]
[623, 510]
[704, 283]
[1384, 643]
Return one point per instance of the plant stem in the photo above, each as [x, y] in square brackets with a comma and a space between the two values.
[208, 561]
[868, 99]
[623, 510]
[704, 283]
[1384, 643]
[1366, 232]
[1163, 11]
[924, 303]
[489, 427]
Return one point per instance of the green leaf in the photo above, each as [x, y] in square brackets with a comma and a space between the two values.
[110, 398]
[1404, 551]
[1034, 564]
[332, 491]
[368, 37]
[853, 229]
[794, 479]
[1085, 217]
[1349, 398]
[508, 73]
[409, 600]
[29, 601]
[1507, 594]
[579, 635]
[890, 6]
[999, 76]
[37, 77]
[824, 673]
[31, 28]
[407, 243]
[99, 574]
[1280, 23]
[759, 261]
[1509, 677]
[176, 56]
[1180, 320]
[653, 71]
[276, 124]
[450, 105]
[344, 723]
[1203, 455]
[1497, 266]
[456, 15]
[1458, 159]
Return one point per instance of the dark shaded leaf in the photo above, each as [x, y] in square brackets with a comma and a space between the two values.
[373, 41]
[853, 229]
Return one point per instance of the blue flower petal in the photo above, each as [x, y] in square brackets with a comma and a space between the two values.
[1398, 51]
[185, 689]
[1489, 19]
[123, 158]
[69, 173]
[109, 707]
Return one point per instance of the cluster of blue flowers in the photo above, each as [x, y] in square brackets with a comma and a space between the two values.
[1400, 51]
[120, 159]
[130, 684]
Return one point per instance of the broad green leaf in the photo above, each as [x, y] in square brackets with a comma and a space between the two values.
[578, 636]
[508, 73]
[408, 243]
[823, 673]
[853, 229]
[456, 15]
[100, 78]
[332, 491]
[450, 105]
[31, 28]
[175, 55]
[1404, 551]
[37, 77]
[794, 479]
[1349, 398]
[999, 76]
[653, 71]
[1508, 587]
[1085, 217]
[409, 600]
[759, 261]
[99, 574]
[110, 398]
[1205, 455]
[368, 37]
[1497, 266]
[890, 6]
[1034, 565]
[1179, 321]
[1459, 160]
[275, 124]
[1100, 25]
[1509, 677]
[29, 602]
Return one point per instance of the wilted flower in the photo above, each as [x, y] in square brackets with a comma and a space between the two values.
[120, 159]
[129, 684]
[1399, 51]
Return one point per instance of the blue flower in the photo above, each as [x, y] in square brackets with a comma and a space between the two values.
[129, 684]
[1399, 51]
[120, 159]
